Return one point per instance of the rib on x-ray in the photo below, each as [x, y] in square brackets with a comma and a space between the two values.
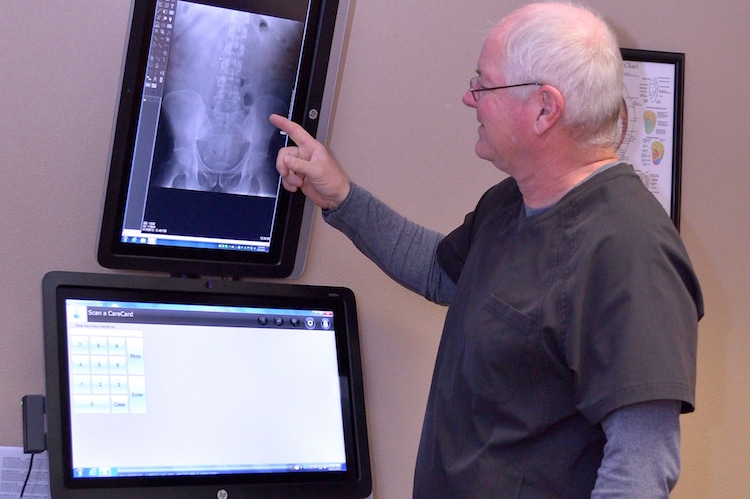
[227, 72]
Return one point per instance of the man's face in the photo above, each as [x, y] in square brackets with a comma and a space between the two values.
[497, 111]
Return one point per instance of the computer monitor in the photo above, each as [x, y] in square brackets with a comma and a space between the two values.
[163, 387]
[192, 186]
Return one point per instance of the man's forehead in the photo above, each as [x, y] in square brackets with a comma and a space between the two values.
[490, 59]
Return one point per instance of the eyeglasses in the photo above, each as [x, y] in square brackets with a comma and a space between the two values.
[476, 88]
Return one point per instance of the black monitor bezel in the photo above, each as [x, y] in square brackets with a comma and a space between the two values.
[292, 212]
[57, 286]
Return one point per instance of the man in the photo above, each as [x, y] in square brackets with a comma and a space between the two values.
[569, 347]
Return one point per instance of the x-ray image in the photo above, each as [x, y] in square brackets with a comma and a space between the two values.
[227, 72]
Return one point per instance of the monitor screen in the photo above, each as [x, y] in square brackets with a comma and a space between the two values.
[166, 387]
[193, 188]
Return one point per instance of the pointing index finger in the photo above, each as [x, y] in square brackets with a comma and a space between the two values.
[295, 131]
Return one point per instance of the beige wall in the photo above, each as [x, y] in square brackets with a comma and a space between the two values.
[400, 130]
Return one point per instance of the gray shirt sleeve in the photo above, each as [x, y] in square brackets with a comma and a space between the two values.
[642, 453]
[403, 249]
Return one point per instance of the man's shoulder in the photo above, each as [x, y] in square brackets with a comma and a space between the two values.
[618, 195]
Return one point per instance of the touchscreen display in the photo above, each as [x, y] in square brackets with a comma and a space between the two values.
[180, 387]
[165, 389]
[192, 186]
[202, 172]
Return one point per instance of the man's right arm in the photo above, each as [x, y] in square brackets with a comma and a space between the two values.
[404, 250]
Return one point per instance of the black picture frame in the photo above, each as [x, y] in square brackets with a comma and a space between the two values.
[651, 119]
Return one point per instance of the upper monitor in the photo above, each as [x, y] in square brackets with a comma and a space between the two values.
[193, 188]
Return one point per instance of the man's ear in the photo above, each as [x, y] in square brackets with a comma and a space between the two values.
[549, 107]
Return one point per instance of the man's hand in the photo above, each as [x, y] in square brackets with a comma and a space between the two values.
[309, 166]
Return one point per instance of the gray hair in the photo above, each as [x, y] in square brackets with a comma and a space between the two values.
[574, 50]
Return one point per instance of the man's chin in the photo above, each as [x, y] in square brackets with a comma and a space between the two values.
[481, 151]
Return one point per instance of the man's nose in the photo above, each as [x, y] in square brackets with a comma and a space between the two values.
[468, 99]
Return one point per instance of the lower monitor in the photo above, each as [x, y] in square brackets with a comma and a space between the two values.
[168, 387]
